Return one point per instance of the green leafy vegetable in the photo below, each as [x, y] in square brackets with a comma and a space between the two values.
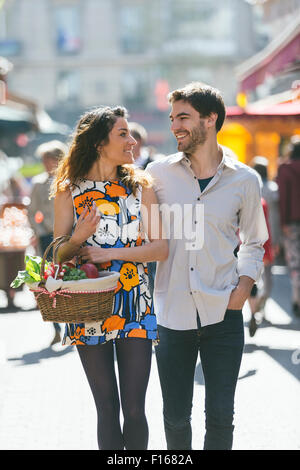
[32, 271]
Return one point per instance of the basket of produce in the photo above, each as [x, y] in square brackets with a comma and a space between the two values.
[65, 293]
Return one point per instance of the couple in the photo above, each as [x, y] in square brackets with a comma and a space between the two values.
[199, 291]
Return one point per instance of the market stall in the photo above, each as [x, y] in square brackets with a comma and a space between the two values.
[261, 128]
[15, 237]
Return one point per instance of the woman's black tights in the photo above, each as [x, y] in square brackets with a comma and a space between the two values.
[134, 363]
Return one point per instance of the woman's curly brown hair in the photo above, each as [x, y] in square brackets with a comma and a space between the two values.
[93, 129]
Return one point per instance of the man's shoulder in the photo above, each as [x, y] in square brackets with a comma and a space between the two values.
[41, 178]
[243, 170]
[164, 163]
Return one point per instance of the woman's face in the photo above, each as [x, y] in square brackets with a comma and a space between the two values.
[120, 144]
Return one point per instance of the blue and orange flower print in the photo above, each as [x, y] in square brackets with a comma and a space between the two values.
[120, 226]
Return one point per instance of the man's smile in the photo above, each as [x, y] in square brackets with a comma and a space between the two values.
[181, 135]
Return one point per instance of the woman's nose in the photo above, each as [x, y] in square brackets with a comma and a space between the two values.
[132, 141]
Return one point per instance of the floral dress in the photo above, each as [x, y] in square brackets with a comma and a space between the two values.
[119, 226]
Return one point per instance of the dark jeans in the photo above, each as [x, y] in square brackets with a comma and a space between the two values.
[221, 348]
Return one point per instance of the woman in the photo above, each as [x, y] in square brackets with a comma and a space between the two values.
[102, 200]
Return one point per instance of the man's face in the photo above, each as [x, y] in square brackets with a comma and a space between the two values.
[50, 164]
[187, 126]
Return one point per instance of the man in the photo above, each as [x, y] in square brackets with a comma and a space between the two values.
[140, 151]
[270, 194]
[289, 197]
[41, 208]
[270, 202]
[200, 291]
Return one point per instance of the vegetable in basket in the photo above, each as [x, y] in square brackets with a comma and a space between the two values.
[65, 271]
[91, 270]
[32, 272]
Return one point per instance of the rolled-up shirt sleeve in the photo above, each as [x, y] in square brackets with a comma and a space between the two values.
[253, 231]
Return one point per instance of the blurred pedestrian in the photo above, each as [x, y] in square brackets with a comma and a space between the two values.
[200, 290]
[13, 186]
[140, 151]
[270, 194]
[270, 201]
[262, 289]
[289, 202]
[41, 208]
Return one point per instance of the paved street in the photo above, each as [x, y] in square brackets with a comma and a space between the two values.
[45, 402]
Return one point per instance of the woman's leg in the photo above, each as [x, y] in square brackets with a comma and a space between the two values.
[98, 364]
[134, 362]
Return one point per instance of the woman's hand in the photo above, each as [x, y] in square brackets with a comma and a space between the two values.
[86, 225]
[94, 254]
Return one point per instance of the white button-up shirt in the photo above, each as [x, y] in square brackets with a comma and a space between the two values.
[202, 270]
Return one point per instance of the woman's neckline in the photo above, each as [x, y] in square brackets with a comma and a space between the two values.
[101, 181]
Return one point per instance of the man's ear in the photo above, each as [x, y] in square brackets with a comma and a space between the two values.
[212, 119]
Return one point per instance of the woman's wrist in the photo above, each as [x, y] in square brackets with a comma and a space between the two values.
[113, 253]
[75, 242]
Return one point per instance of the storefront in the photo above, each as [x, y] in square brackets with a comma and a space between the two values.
[264, 127]
[259, 130]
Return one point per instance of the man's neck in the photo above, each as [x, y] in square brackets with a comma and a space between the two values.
[206, 159]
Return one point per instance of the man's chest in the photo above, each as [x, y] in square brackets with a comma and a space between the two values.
[221, 201]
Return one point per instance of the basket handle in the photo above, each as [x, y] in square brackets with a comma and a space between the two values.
[57, 241]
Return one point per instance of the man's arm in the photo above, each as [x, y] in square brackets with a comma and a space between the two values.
[253, 235]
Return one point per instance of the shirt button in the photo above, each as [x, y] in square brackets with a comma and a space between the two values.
[198, 198]
[195, 177]
[192, 269]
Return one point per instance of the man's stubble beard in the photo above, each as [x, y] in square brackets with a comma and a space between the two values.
[198, 137]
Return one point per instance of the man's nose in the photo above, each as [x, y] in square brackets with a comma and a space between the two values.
[174, 125]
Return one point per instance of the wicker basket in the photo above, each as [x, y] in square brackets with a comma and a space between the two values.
[66, 306]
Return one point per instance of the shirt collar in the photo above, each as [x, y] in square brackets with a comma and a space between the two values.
[227, 160]
[177, 157]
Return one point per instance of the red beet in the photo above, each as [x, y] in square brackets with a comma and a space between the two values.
[90, 270]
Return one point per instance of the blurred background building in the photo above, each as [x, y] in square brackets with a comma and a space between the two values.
[268, 111]
[70, 55]
[74, 54]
